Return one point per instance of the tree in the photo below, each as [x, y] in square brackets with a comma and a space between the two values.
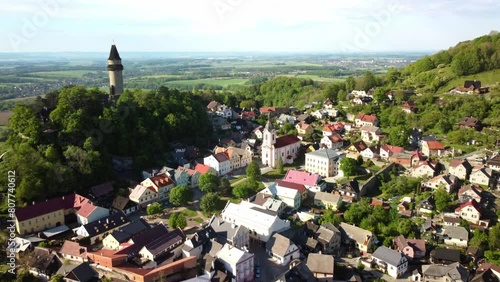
[154, 208]
[242, 190]
[442, 199]
[209, 203]
[279, 166]
[225, 187]
[253, 171]
[24, 125]
[350, 84]
[479, 240]
[360, 160]
[57, 278]
[332, 217]
[466, 62]
[379, 95]
[494, 237]
[177, 220]
[208, 182]
[393, 75]
[349, 166]
[180, 195]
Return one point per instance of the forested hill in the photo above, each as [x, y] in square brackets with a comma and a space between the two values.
[478, 58]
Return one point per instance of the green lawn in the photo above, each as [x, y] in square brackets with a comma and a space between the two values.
[189, 213]
[236, 179]
[198, 220]
[487, 78]
[63, 74]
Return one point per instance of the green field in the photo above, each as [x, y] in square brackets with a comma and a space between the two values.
[63, 74]
[488, 78]
[210, 81]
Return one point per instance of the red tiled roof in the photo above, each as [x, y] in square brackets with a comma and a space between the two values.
[291, 185]
[248, 114]
[189, 171]
[161, 180]
[435, 145]
[335, 138]
[456, 162]
[301, 177]
[476, 189]
[73, 249]
[304, 125]
[472, 203]
[392, 149]
[201, 168]
[221, 157]
[40, 208]
[86, 209]
[286, 140]
[366, 118]
[265, 110]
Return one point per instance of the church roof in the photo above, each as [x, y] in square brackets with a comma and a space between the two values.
[113, 54]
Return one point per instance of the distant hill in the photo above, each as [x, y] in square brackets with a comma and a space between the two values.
[473, 59]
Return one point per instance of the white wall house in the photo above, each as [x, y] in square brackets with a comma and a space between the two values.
[324, 162]
[220, 162]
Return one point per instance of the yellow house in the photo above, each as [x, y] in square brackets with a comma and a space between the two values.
[49, 214]
[304, 128]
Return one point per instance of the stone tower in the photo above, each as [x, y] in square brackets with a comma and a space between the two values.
[115, 69]
[268, 141]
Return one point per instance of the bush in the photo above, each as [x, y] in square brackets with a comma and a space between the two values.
[154, 208]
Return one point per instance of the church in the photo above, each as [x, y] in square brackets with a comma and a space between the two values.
[285, 147]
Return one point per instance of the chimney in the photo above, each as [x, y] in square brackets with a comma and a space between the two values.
[107, 220]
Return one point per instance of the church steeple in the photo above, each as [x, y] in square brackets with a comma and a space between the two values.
[115, 69]
[269, 134]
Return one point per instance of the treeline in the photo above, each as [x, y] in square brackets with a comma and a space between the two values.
[71, 149]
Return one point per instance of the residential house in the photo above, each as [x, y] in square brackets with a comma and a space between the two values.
[237, 262]
[247, 115]
[411, 248]
[304, 117]
[494, 162]
[447, 181]
[432, 148]
[470, 123]
[328, 200]
[451, 219]
[461, 168]
[238, 157]
[332, 128]
[445, 256]
[320, 114]
[199, 243]
[44, 262]
[425, 169]
[328, 104]
[329, 238]
[312, 181]
[322, 266]
[258, 131]
[88, 213]
[101, 195]
[73, 251]
[125, 233]
[190, 177]
[371, 134]
[363, 119]
[161, 183]
[363, 239]
[325, 162]
[470, 211]
[202, 169]
[408, 107]
[143, 195]
[124, 204]
[228, 232]
[285, 118]
[291, 194]
[356, 148]
[213, 106]
[387, 151]
[349, 191]
[372, 152]
[273, 147]
[470, 192]
[282, 249]
[219, 162]
[407, 159]
[334, 141]
[134, 245]
[99, 229]
[275, 111]
[47, 214]
[456, 236]
[304, 129]
[427, 206]
[445, 273]
[80, 273]
[165, 246]
[245, 214]
[395, 263]
[481, 176]
[268, 202]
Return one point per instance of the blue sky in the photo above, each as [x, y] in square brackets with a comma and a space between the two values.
[243, 25]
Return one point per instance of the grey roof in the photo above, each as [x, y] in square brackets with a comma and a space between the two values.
[455, 271]
[105, 224]
[113, 54]
[128, 231]
[457, 232]
[278, 244]
[331, 227]
[224, 229]
[83, 273]
[355, 233]
[326, 153]
[319, 263]
[203, 236]
[389, 256]
[451, 255]
[159, 245]
[326, 234]
[102, 189]
[143, 238]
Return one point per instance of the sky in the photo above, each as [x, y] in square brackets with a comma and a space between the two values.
[243, 25]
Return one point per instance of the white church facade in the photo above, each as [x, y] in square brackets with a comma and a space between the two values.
[285, 147]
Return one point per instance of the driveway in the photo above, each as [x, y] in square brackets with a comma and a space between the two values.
[269, 270]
